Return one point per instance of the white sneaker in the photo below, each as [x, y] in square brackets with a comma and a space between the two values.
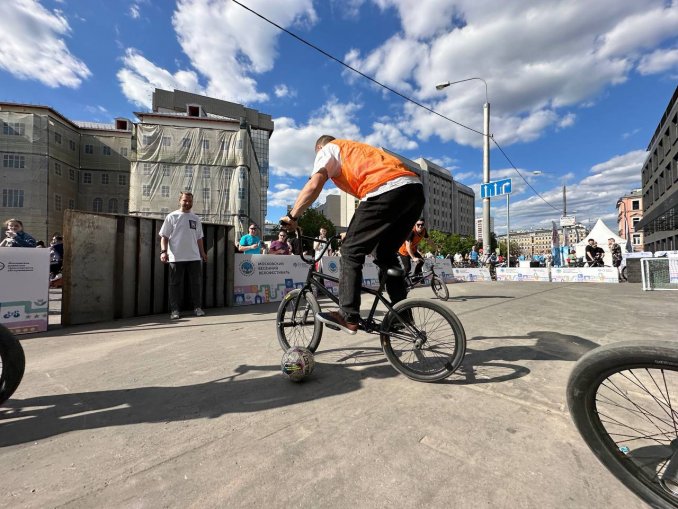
[199, 312]
[174, 315]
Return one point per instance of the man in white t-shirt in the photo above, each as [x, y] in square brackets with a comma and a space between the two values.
[181, 246]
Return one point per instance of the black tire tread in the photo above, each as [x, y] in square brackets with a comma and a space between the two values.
[13, 364]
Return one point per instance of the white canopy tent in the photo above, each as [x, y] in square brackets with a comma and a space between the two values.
[600, 233]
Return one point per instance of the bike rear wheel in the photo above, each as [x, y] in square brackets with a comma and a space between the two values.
[12, 364]
[439, 288]
[432, 344]
[623, 398]
[300, 328]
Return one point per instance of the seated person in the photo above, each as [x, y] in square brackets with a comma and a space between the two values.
[408, 252]
[250, 243]
[15, 236]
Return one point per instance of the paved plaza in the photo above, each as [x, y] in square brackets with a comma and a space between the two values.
[151, 413]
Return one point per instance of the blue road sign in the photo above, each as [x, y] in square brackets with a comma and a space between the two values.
[496, 188]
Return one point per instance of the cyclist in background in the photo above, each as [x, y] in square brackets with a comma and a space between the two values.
[391, 199]
[408, 252]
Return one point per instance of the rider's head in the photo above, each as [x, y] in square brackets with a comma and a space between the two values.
[322, 141]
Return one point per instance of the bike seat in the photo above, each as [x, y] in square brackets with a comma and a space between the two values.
[395, 272]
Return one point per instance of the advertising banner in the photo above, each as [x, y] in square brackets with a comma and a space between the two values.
[471, 274]
[267, 278]
[24, 289]
[585, 275]
[523, 274]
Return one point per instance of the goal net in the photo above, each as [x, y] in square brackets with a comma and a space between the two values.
[659, 273]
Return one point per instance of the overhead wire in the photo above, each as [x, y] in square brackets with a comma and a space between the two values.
[393, 91]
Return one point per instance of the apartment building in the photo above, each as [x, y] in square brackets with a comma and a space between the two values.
[660, 184]
[51, 163]
[629, 214]
[538, 242]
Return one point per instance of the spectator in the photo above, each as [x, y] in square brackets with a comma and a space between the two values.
[181, 245]
[473, 257]
[40, 243]
[15, 236]
[250, 243]
[280, 246]
[56, 256]
[590, 252]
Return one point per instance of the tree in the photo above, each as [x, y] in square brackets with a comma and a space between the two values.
[311, 222]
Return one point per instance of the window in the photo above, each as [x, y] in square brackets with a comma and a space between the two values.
[205, 172]
[13, 198]
[186, 143]
[122, 180]
[57, 202]
[97, 204]
[164, 191]
[242, 193]
[635, 220]
[13, 161]
[87, 178]
[71, 145]
[89, 149]
[113, 206]
[635, 205]
[71, 204]
[636, 239]
[125, 207]
[188, 172]
[57, 138]
[164, 210]
[104, 178]
[165, 170]
[166, 141]
[123, 151]
[57, 169]
[106, 150]
[206, 194]
[147, 140]
[147, 169]
[71, 174]
[146, 190]
[206, 144]
[13, 128]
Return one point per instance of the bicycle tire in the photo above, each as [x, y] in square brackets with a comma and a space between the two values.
[294, 331]
[624, 275]
[444, 340]
[631, 387]
[439, 288]
[12, 364]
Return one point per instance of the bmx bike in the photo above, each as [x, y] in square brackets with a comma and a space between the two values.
[623, 399]
[429, 277]
[422, 339]
[12, 364]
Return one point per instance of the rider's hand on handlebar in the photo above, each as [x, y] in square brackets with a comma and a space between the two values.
[287, 223]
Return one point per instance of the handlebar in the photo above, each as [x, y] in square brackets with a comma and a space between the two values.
[299, 234]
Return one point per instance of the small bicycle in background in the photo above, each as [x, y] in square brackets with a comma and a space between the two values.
[428, 276]
[623, 399]
[421, 338]
[12, 364]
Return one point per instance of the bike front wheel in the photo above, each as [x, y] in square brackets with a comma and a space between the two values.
[623, 398]
[428, 345]
[12, 364]
[299, 328]
[439, 288]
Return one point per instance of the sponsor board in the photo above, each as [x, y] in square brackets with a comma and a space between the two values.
[471, 274]
[585, 275]
[24, 289]
[523, 274]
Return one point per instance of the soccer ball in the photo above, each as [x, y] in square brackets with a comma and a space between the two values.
[297, 363]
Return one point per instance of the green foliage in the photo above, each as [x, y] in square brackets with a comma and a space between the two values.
[515, 248]
[446, 244]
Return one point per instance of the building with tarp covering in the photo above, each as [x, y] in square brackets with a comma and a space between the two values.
[214, 149]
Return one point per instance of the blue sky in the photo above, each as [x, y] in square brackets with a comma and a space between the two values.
[576, 88]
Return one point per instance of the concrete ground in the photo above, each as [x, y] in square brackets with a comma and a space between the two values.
[151, 413]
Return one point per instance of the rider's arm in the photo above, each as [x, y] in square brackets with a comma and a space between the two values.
[309, 193]
[411, 250]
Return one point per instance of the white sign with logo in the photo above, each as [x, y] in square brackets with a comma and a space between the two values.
[471, 274]
[24, 289]
[585, 275]
[523, 274]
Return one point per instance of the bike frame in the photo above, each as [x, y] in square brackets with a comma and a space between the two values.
[368, 324]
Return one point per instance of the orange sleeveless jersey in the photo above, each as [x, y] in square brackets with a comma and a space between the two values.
[365, 168]
[416, 239]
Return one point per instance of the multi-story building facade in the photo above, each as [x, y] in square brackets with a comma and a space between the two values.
[478, 231]
[660, 184]
[538, 242]
[339, 208]
[49, 164]
[629, 214]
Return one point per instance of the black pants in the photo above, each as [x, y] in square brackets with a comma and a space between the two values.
[407, 265]
[380, 225]
[176, 278]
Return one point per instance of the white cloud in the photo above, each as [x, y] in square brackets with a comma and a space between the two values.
[659, 61]
[284, 195]
[33, 45]
[134, 11]
[284, 91]
[139, 77]
[536, 58]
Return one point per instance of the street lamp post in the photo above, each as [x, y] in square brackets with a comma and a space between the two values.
[486, 158]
